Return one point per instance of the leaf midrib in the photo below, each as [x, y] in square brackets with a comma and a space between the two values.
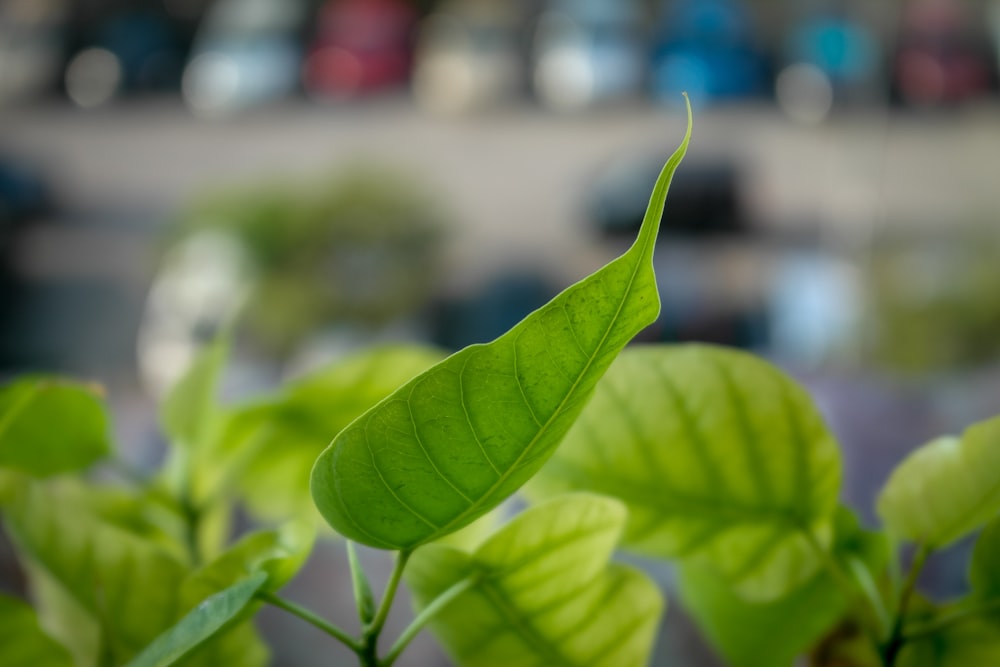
[515, 622]
[635, 249]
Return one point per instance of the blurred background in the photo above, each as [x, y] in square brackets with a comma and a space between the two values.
[359, 171]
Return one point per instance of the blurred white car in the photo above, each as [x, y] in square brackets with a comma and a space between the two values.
[247, 52]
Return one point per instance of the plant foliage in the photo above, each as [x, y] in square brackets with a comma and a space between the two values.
[707, 457]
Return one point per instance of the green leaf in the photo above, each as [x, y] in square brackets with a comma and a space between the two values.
[269, 448]
[775, 632]
[457, 440]
[717, 454]
[49, 426]
[22, 641]
[86, 570]
[199, 624]
[975, 642]
[984, 568]
[190, 411]
[768, 634]
[277, 553]
[545, 594]
[945, 489]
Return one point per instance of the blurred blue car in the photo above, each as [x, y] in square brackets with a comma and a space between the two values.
[706, 48]
[586, 52]
[131, 51]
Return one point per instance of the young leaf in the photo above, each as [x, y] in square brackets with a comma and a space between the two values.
[49, 426]
[273, 444]
[22, 641]
[716, 453]
[544, 593]
[945, 489]
[190, 410]
[200, 624]
[457, 440]
[94, 570]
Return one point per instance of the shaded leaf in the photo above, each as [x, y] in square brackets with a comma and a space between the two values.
[190, 411]
[200, 623]
[974, 642]
[22, 641]
[775, 632]
[92, 572]
[945, 489]
[49, 426]
[545, 594]
[458, 439]
[717, 455]
[984, 569]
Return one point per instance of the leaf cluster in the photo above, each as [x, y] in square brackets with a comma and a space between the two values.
[706, 457]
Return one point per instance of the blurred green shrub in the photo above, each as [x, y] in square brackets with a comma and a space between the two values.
[936, 302]
[361, 247]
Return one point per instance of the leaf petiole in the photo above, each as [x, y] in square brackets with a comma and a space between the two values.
[853, 588]
[425, 616]
[310, 617]
[375, 627]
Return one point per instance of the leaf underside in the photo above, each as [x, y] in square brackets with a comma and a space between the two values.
[546, 595]
[457, 440]
[717, 455]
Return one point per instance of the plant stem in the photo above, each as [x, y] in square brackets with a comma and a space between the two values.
[868, 587]
[853, 589]
[371, 631]
[375, 627]
[940, 623]
[892, 646]
[425, 616]
[311, 618]
[363, 598]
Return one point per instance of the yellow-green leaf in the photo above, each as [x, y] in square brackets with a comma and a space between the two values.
[458, 439]
[945, 489]
[92, 572]
[717, 454]
[544, 593]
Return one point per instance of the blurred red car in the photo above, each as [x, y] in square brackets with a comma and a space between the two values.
[941, 59]
[361, 46]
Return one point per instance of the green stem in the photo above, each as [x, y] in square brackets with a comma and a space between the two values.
[892, 646]
[363, 598]
[866, 584]
[425, 616]
[852, 589]
[375, 627]
[311, 618]
[940, 623]
[371, 631]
